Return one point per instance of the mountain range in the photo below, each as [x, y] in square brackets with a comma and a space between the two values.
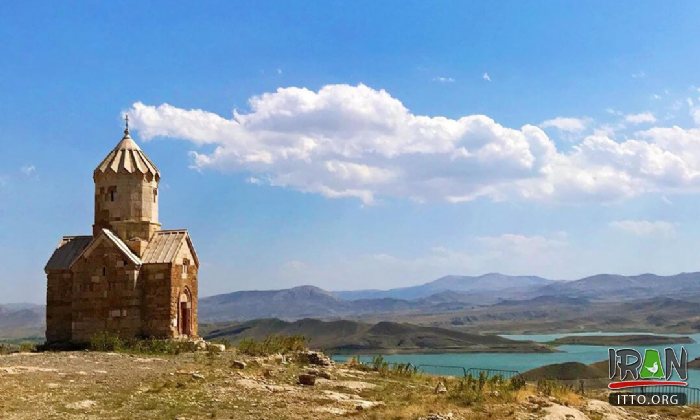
[459, 295]
[491, 302]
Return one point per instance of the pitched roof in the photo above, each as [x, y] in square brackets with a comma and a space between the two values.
[165, 245]
[67, 251]
[107, 234]
[127, 157]
[122, 246]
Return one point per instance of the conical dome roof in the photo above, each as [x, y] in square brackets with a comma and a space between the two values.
[127, 157]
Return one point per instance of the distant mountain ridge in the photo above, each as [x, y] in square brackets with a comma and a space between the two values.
[495, 301]
[491, 282]
[22, 320]
[449, 294]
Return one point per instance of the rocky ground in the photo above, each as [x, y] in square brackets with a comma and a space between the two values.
[226, 385]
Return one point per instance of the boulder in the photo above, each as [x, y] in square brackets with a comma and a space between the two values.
[238, 364]
[306, 379]
[317, 358]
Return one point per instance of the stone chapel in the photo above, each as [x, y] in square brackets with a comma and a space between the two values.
[130, 277]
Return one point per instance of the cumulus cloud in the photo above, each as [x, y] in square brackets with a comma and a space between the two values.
[641, 118]
[486, 77]
[355, 141]
[566, 124]
[645, 227]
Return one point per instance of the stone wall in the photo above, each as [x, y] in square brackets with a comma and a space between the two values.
[127, 204]
[106, 294]
[157, 314]
[59, 298]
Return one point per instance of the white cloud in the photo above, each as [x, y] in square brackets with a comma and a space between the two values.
[645, 227]
[355, 141]
[639, 75]
[641, 118]
[486, 77]
[566, 124]
[695, 113]
[443, 79]
[28, 170]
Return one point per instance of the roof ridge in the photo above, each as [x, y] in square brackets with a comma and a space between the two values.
[121, 245]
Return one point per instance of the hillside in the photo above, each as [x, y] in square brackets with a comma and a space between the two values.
[567, 371]
[356, 337]
[230, 385]
[20, 321]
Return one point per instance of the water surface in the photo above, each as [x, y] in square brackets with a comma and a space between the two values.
[525, 361]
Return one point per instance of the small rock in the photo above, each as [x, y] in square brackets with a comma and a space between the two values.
[81, 405]
[216, 347]
[197, 376]
[200, 344]
[306, 379]
[437, 416]
[238, 364]
[440, 388]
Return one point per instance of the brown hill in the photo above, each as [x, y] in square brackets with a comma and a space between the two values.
[358, 337]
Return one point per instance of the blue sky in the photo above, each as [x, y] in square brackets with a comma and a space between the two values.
[373, 145]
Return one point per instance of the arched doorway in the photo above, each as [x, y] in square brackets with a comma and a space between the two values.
[184, 319]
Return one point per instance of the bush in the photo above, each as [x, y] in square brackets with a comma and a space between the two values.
[105, 341]
[272, 344]
[467, 391]
[471, 390]
[517, 382]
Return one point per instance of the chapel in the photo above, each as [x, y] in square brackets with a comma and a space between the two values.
[130, 277]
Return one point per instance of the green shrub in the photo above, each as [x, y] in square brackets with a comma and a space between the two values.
[272, 344]
[105, 341]
[472, 390]
[379, 364]
[27, 347]
[517, 382]
[467, 391]
[548, 386]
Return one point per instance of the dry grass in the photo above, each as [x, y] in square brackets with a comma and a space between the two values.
[204, 385]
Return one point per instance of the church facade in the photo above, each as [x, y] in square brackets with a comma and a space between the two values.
[129, 278]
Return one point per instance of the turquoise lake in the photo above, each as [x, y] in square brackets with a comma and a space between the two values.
[526, 361]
